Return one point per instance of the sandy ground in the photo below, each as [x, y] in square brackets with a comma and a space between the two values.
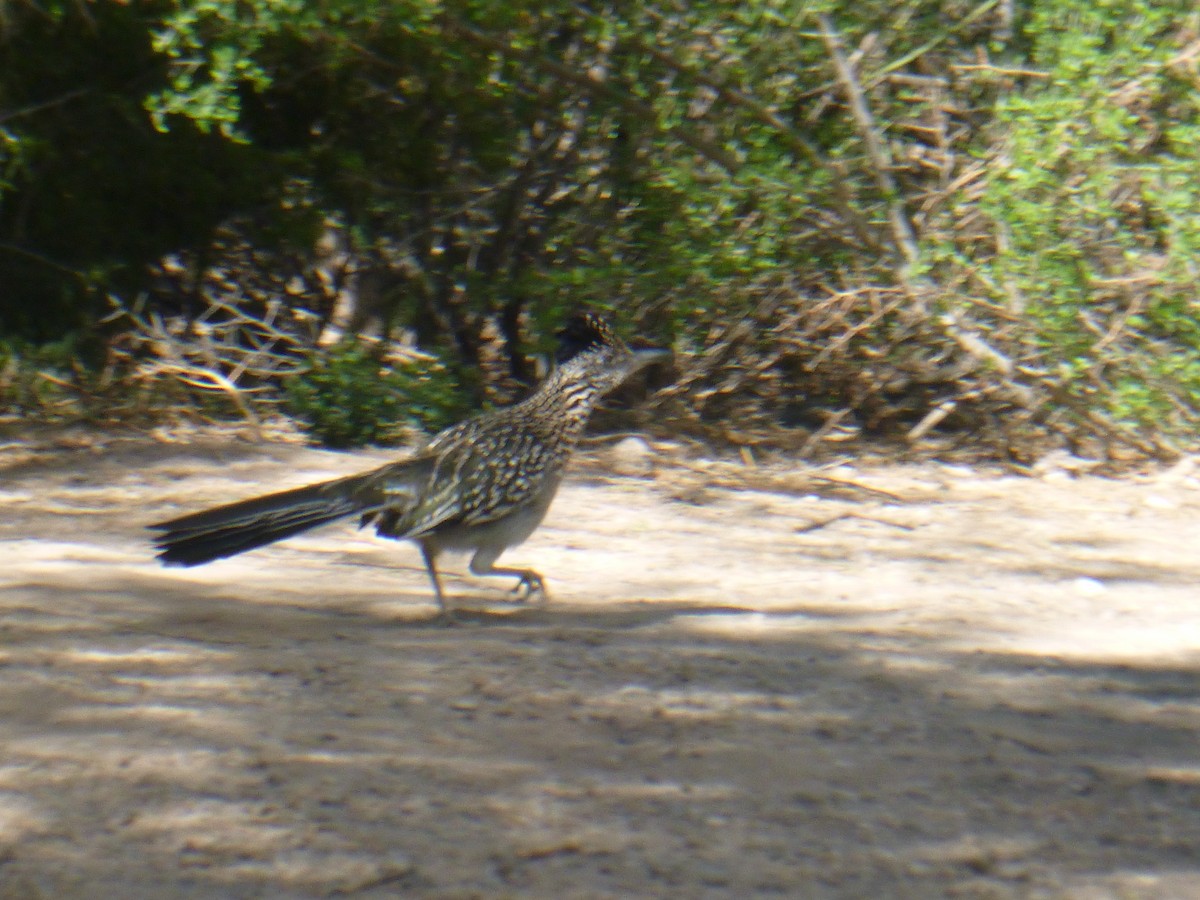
[974, 686]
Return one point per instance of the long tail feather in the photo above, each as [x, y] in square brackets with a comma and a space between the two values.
[227, 530]
[210, 534]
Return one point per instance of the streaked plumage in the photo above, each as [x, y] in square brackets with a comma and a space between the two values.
[483, 485]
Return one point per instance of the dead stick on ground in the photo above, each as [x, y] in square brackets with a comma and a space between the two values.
[858, 487]
[815, 526]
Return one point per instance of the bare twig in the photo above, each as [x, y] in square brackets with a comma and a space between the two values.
[931, 420]
[228, 351]
[823, 523]
[827, 427]
[999, 70]
[858, 486]
[902, 233]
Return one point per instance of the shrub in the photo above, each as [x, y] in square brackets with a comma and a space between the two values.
[350, 396]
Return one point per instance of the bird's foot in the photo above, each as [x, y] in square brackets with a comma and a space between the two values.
[531, 583]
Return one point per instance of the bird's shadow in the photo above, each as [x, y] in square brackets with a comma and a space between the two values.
[616, 614]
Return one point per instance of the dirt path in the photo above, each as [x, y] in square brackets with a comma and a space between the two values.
[983, 687]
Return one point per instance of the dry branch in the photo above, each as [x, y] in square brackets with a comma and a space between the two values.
[905, 239]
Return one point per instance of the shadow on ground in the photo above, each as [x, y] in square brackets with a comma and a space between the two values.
[293, 724]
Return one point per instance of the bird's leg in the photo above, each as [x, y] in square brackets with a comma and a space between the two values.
[430, 556]
[529, 583]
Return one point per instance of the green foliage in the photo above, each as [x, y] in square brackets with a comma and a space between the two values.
[38, 378]
[349, 397]
[1095, 192]
[692, 167]
[90, 193]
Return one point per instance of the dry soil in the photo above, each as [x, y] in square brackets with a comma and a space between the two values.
[887, 682]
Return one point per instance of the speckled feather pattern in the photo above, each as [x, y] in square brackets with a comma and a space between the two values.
[483, 485]
[491, 466]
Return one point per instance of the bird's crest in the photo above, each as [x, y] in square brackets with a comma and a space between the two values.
[583, 331]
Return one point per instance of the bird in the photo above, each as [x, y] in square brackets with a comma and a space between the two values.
[481, 486]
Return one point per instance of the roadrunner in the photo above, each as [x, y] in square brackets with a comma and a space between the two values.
[481, 486]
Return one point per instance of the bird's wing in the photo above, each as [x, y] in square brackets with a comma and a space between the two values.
[392, 492]
[481, 480]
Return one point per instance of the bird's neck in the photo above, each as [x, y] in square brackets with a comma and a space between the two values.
[566, 399]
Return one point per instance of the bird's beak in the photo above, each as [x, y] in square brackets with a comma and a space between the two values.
[643, 358]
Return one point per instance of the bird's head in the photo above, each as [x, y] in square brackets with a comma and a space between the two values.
[589, 349]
